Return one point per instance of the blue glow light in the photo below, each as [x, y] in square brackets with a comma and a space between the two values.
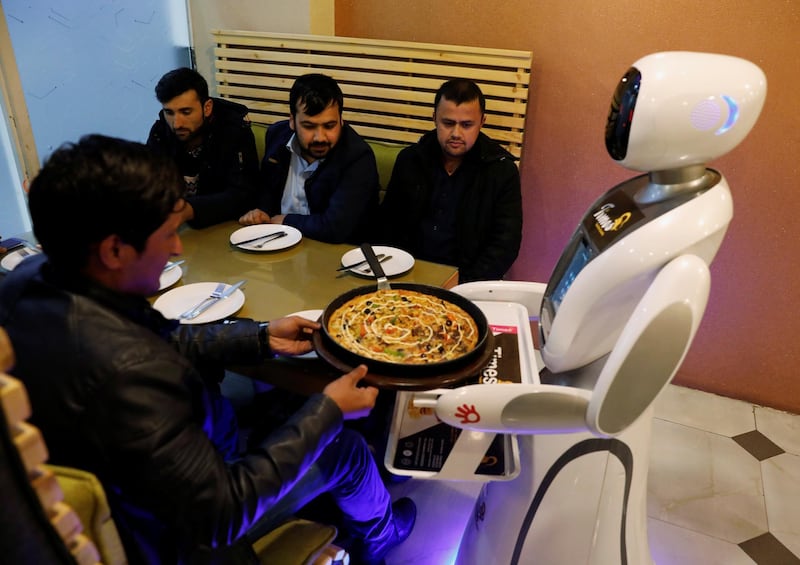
[733, 115]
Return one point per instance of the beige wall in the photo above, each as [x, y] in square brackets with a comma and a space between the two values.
[745, 347]
[285, 16]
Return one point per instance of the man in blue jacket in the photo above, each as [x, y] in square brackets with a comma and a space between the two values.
[211, 141]
[454, 196]
[317, 175]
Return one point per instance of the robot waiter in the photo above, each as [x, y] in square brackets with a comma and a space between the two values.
[616, 320]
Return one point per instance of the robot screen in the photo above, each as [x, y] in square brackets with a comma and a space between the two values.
[580, 257]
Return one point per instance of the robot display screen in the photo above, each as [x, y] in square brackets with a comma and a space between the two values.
[580, 257]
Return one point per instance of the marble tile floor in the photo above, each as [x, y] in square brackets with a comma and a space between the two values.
[724, 483]
[723, 488]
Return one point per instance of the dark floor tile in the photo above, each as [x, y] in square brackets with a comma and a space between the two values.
[758, 445]
[767, 550]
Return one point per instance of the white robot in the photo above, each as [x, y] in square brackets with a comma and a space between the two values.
[616, 320]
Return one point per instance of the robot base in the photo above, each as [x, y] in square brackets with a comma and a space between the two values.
[579, 499]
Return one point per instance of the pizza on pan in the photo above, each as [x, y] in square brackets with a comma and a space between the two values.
[403, 326]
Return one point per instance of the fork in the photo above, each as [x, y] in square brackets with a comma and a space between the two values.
[192, 312]
[271, 237]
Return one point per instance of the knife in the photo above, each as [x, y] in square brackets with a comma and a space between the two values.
[273, 235]
[228, 291]
[381, 260]
[381, 257]
[170, 266]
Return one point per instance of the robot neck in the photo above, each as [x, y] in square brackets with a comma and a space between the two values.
[672, 183]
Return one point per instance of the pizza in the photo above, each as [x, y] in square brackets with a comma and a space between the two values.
[403, 326]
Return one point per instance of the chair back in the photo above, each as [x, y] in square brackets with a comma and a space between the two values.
[36, 525]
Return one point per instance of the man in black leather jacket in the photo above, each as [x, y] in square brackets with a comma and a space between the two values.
[454, 196]
[317, 175]
[117, 389]
[211, 141]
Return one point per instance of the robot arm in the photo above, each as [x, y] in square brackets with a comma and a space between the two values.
[645, 357]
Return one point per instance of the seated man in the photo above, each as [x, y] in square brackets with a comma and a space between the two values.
[454, 196]
[211, 141]
[317, 174]
[117, 389]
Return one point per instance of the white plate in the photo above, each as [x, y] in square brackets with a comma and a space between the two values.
[14, 258]
[175, 302]
[292, 237]
[170, 277]
[401, 261]
[312, 315]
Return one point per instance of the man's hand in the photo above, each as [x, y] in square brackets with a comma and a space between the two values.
[291, 335]
[277, 219]
[256, 216]
[354, 401]
[187, 212]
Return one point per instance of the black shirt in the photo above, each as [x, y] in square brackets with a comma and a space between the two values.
[439, 223]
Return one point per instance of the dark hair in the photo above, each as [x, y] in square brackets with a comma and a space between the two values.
[176, 82]
[97, 187]
[316, 92]
[460, 90]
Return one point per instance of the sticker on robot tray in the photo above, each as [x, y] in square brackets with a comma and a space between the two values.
[425, 442]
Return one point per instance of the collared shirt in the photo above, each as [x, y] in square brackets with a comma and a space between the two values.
[294, 199]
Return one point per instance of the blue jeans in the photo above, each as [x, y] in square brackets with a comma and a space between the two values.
[346, 469]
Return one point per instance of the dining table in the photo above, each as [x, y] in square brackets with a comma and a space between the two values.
[281, 282]
[296, 279]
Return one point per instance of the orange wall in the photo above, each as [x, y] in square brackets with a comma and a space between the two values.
[744, 348]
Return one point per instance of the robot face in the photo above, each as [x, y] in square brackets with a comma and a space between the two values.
[676, 109]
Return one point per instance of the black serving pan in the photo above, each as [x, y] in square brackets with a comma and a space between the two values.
[408, 376]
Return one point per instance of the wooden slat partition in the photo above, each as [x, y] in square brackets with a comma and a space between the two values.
[388, 85]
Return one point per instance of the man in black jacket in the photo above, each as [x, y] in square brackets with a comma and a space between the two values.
[211, 141]
[117, 389]
[454, 196]
[317, 175]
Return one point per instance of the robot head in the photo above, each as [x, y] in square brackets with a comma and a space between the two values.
[676, 109]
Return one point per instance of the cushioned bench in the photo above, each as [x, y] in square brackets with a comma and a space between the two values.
[388, 85]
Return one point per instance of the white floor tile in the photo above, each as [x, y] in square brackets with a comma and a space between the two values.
[782, 493]
[705, 483]
[705, 411]
[782, 428]
[672, 545]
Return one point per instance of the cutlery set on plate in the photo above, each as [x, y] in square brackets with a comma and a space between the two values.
[264, 239]
[222, 291]
[345, 269]
[28, 251]
[169, 266]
